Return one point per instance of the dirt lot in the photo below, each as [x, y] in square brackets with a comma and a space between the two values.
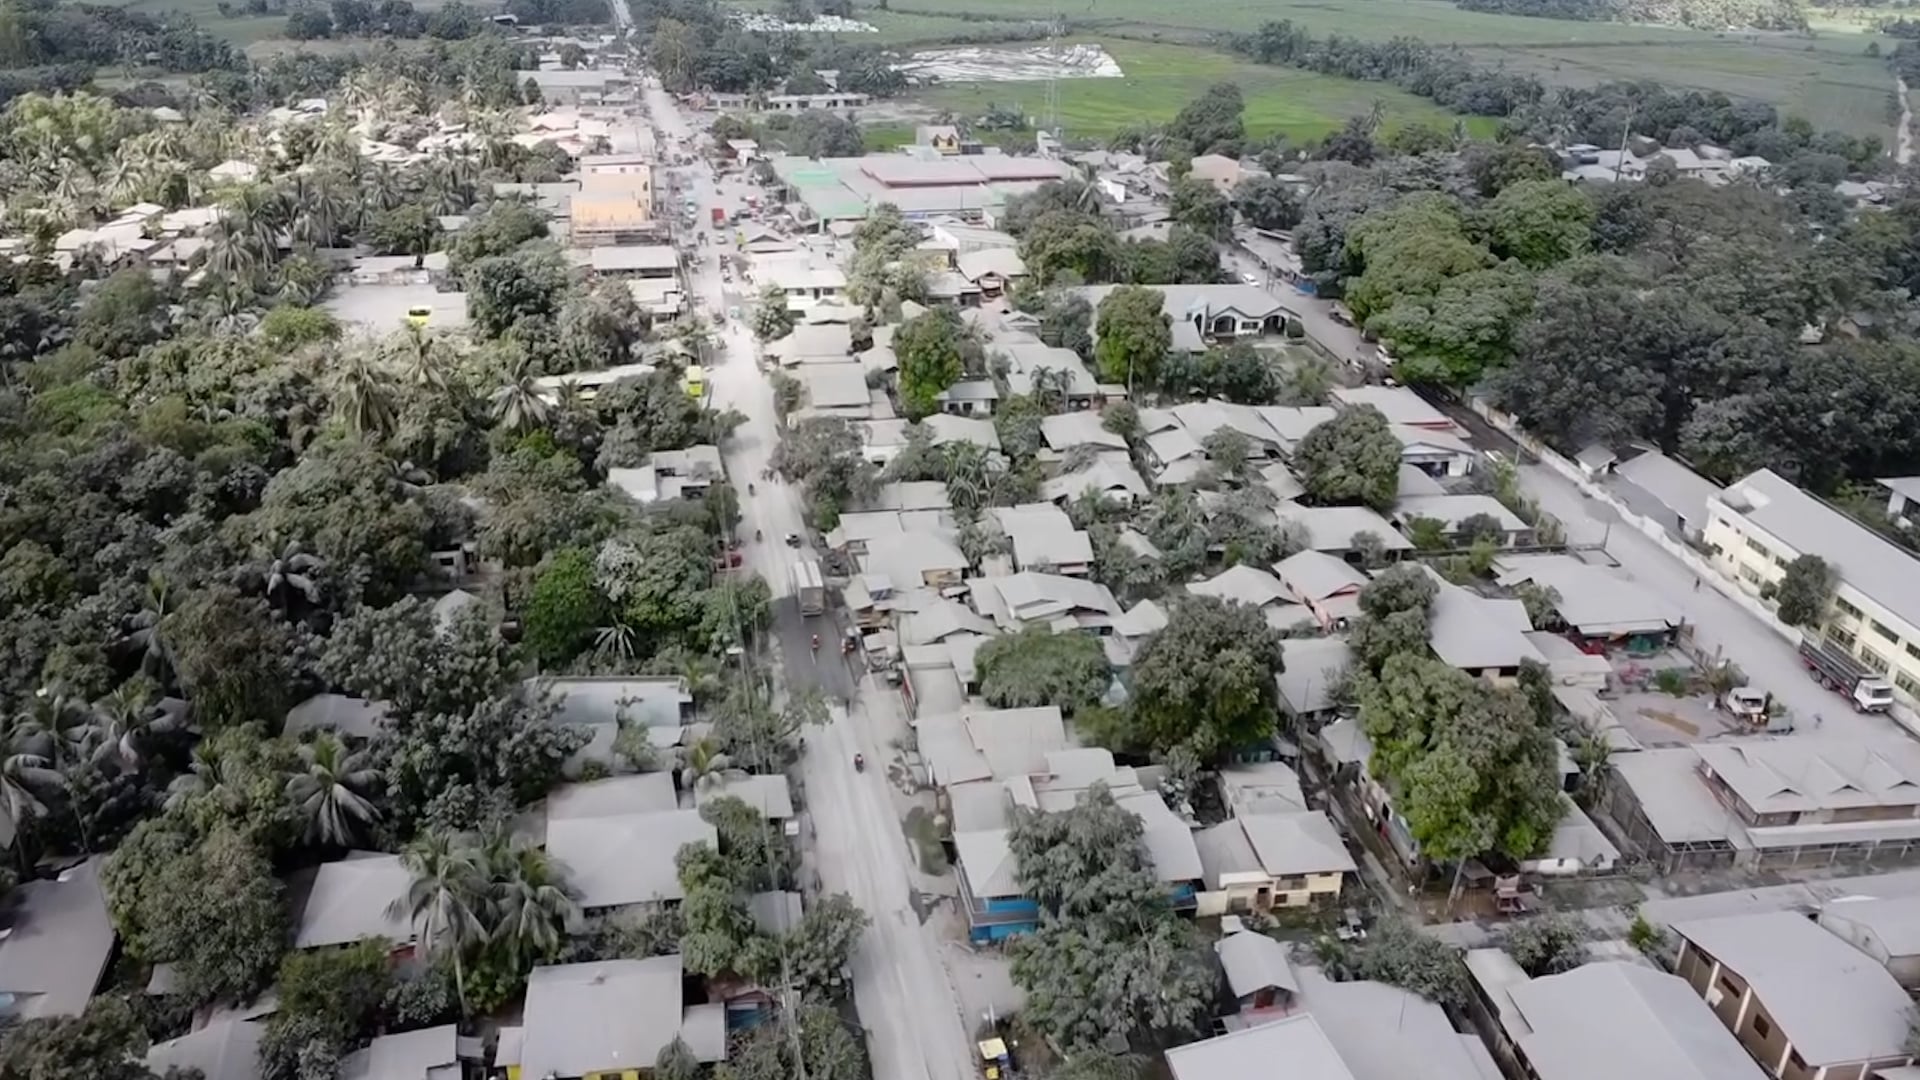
[383, 308]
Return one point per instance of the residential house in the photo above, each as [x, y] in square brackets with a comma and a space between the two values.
[1313, 671]
[1260, 861]
[618, 839]
[1452, 512]
[598, 704]
[912, 559]
[1204, 419]
[1204, 315]
[361, 897]
[1014, 601]
[1803, 1002]
[1663, 490]
[427, 1054]
[1176, 456]
[1109, 475]
[660, 261]
[989, 744]
[225, 1049]
[950, 429]
[1650, 1023]
[806, 277]
[1026, 357]
[1398, 404]
[1331, 529]
[940, 138]
[1223, 173]
[55, 945]
[1328, 587]
[992, 271]
[1886, 929]
[1477, 634]
[1261, 787]
[1259, 974]
[1044, 539]
[1436, 453]
[1768, 801]
[1339, 1035]
[1757, 527]
[1254, 587]
[1063, 431]
[768, 793]
[1600, 604]
[812, 343]
[837, 390]
[969, 397]
[603, 218]
[609, 1018]
[1902, 492]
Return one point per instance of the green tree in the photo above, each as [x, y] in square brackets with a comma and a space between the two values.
[1196, 205]
[408, 229]
[215, 911]
[1134, 335]
[1063, 244]
[563, 609]
[928, 346]
[1038, 667]
[1540, 222]
[1205, 681]
[1352, 458]
[106, 1042]
[772, 318]
[342, 989]
[1548, 944]
[333, 792]
[1267, 203]
[1804, 591]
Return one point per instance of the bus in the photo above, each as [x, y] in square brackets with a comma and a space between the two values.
[695, 381]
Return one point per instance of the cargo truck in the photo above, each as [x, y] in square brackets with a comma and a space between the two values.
[1839, 670]
[808, 587]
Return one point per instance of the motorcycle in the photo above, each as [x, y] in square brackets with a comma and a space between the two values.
[757, 537]
[816, 643]
[749, 487]
[859, 763]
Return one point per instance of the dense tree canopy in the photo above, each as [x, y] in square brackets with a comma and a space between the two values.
[1204, 682]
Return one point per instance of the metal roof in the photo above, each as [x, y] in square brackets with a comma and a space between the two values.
[1295, 1046]
[1255, 962]
[350, 899]
[223, 1050]
[1880, 571]
[628, 858]
[1835, 1003]
[1655, 1025]
[57, 943]
[1311, 668]
[609, 1015]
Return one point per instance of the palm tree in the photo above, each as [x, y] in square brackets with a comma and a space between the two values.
[57, 728]
[294, 571]
[363, 397]
[442, 900]
[421, 358]
[619, 638]
[519, 405]
[24, 777]
[123, 719]
[331, 791]
[529, 904]
[702, 762]
[210, 775]
[148, 630]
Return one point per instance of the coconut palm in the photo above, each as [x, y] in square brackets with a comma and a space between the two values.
[233, 249]
[211, 775]
[421, 357]
[520, 405]
[527, 900]
[294, 571]
[363, 396]
[125, 718]
[701, 764]
[443, 900]
[56, 727]
[331, 791]
[319, 212]
[618, 639]
[382, 189]
[148, 628]
[25, 778]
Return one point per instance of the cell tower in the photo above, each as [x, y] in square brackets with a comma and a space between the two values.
[1051, 119]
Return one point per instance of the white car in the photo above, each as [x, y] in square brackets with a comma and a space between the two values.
[1251, 279]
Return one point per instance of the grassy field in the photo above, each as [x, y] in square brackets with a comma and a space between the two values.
[1160, 78]
[1826, 78]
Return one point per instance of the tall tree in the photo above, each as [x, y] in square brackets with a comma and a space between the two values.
[928, 346]
[1134, 334]
[1205, 681]
[1352, 458]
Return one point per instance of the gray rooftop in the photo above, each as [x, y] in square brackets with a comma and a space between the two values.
[1654, 1025]
[618, 796]
[1894, 921]
[427, 1054]
[1316, 575]
[768, 794]
[337, 713]
[651, 701]
[623, 859]
[1332, 528]
[1802, 775]
[1312, 669]
[57, 944]
[775, 912]
[1244, 584]
[613, 1014]
[990, 744]
[1451, 510]
[1594, 600]
[1679, 489]
[1295, 1044]
[1835, 1003]
[349, 902]
[1292, 844]
[1419, 1042]
[1881, 571]
[1254, 962]
[1397, 403]
[1471, 632]
[223, 1050]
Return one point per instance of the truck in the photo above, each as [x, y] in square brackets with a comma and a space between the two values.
[1840, 671]
[719, 216]
[809, 587]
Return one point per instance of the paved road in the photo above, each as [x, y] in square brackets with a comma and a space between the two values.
[906, 998]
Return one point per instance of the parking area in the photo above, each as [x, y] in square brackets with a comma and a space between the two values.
[382, 309]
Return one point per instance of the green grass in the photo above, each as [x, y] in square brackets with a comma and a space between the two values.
[1825, 78]
[1160, 78]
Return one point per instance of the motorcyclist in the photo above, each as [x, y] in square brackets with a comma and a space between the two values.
[816, 643]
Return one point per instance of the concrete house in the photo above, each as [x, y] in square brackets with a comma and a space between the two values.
[1804, 1003]
[1326, 586]
[608, 1018]
[56, 944]
[618, 839]
[1259, 975]
[1262, 861]
[1204, 315]
[1886, 929]
[351, 900]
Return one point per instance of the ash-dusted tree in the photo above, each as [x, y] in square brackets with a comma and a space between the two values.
[772, 318]
[1134, 335]
[1039, 667]
[1205, 681]
[1110, 956]
[928, 346]
[1352, 458]
[1395, 608]
[1805, 590]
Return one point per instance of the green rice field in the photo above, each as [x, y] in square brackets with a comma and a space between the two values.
[1160, 78]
